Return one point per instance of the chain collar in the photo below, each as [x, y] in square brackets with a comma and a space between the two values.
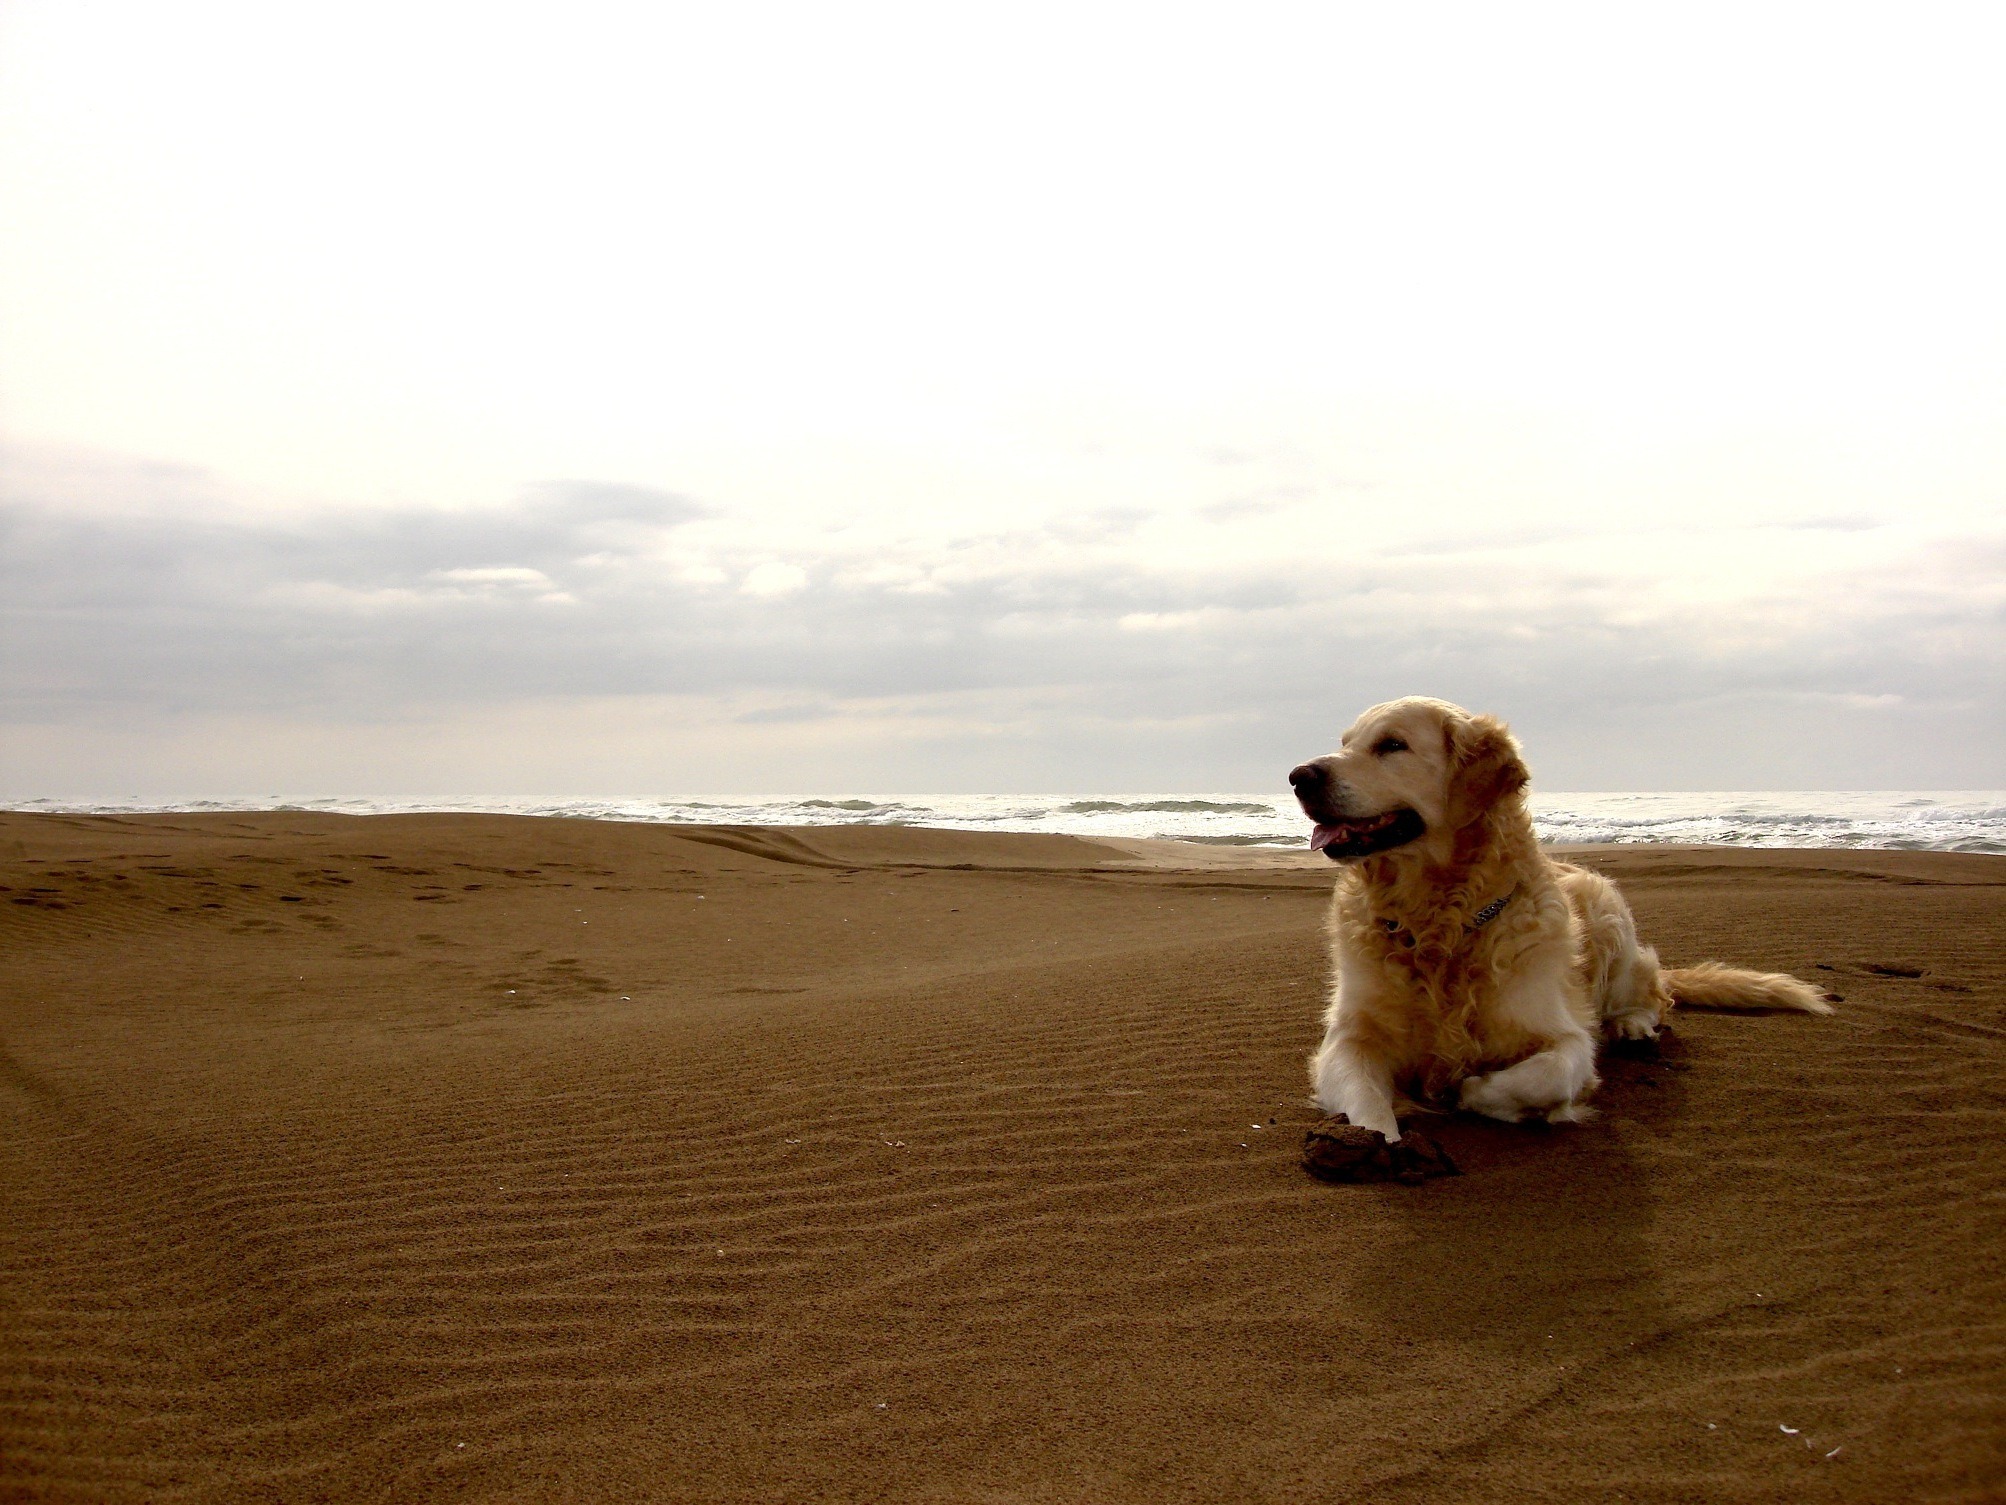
[1480, 919]
[1491, 911]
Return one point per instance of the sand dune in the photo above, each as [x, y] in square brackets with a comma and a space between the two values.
[483, 1157]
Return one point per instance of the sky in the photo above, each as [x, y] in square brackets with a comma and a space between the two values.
[450, 401]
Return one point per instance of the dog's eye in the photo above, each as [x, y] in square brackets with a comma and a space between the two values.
[1387, 745]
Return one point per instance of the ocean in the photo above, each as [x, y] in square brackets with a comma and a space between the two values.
[1936, 820]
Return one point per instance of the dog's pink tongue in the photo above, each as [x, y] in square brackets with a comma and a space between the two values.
[1323, 836]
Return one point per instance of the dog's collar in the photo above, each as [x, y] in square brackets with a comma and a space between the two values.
[1480, 919]
[1491, 911]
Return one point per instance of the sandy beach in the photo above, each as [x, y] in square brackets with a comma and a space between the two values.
[485, 1157]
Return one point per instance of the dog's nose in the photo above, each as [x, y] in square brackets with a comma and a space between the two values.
[1304, 777]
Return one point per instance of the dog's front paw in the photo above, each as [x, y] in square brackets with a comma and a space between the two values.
[1481, 1094]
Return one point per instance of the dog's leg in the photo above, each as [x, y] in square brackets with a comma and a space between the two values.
[1622, 973]
[1551, 1083]
[1354, 1081]
[1548, 1003]
[1636, 1000]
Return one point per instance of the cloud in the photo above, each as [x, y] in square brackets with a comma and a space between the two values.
[1262, 503]
[506, 576]
[160, 606]
[1849, 524]
[611, 501]
[774, 579]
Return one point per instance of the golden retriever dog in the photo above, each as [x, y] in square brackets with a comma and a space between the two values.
[1470, 970]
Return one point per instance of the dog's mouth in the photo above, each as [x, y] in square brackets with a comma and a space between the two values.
[1340, 840]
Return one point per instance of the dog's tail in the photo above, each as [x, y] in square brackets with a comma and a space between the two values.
[1713, 986]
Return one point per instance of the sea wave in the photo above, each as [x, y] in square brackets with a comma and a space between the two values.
[1159, 807]
[1950, 821]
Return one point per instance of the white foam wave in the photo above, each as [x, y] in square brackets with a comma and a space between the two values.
[1951, 821]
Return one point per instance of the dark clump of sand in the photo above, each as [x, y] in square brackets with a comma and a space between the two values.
[1336, 1149]
[479, 1157]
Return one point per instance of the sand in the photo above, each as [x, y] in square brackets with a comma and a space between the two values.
[495, 1158]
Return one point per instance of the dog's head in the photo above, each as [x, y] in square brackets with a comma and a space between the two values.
[1407, 769]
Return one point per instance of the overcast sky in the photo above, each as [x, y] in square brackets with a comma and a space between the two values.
[435, 400]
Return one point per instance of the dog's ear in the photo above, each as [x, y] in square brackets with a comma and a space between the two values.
[1484, 767]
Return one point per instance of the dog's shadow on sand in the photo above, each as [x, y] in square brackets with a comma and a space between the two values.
[1545, 1227]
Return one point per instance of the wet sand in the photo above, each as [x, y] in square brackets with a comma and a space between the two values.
[470, 1157]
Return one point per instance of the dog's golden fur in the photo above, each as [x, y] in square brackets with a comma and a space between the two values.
[1442, 998]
